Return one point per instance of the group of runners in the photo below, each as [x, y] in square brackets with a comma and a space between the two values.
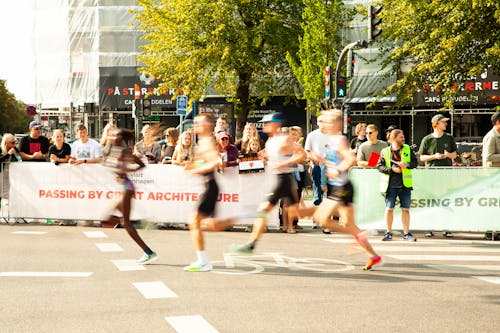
[282, 155]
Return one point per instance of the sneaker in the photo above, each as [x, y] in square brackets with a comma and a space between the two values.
[409, 237]
[327, 231]
[242, 248]
[429, 234]
[291, 231]
[147, 258]
[197, 267]
[316, 226]
[372, 263]
[387, 236]
[447, 234]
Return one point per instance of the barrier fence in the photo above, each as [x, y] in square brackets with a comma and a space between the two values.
[454, 199]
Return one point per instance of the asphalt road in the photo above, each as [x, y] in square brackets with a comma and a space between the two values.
[79, 279]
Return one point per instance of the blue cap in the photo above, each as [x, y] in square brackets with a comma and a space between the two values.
[276, 117]
[35, 123]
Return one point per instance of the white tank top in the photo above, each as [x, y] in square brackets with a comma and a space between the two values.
[273, 149]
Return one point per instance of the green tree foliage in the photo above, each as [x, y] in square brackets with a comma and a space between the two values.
[440, 42]
[238, 47]
[319, 46]
[12, 116]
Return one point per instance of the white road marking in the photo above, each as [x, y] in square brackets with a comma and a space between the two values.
[379, 241]
[128, 265]
[155, 289]
[491, 279]
[109, 247]
[29, 232]
[95, 234]
[462, 249]
[465, 267]
[189, 324]
[45, 274]
[420, 257]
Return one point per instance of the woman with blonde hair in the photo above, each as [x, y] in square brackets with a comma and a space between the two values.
[249, 131]
[105, 133]
[184, 151]
[59, 151]
[253, 146]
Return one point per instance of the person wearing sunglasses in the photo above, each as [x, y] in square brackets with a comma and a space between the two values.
[34, 147]
[228, 152]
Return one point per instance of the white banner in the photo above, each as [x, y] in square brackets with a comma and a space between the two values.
[164, 193]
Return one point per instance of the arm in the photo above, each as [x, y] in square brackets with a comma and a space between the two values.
[232, 156]
[489, 151]
[381, 165]
[361, 160]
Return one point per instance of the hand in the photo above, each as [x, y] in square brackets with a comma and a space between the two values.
[37, 155]
[332, 173]
[438, 156]
[403, 165]
[396, 169]
[12, 151]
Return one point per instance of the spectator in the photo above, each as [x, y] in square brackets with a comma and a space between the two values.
[147, 149]
[60, 151]
[85, 149]
[396, 162]
[491, 143]
[105, 133]
[184, 151]
[360, 137]
[388, 132]
[253, 146]
[316, 143]
[221, 125]
[249, 132]
[34, 147]
[168, 144]
[8, 153]
[228, 152]
[369, 151]
[438, 149]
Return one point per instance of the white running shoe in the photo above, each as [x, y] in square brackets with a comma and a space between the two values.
[198, 267]
[147, 259]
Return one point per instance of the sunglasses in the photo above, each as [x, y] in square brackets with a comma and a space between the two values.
[369, 132]
[13, 142]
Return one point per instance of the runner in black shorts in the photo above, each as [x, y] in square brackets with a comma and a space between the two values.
[208, 198]
[283, 155]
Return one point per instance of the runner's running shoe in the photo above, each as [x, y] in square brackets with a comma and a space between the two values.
[409, 237]
[147, 259]
[372, 263]
[243, 248]
[387, 236]
[198, 267]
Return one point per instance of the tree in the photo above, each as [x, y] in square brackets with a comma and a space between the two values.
[12, 116]
[319, 46]
[440, 42]
[238, 47]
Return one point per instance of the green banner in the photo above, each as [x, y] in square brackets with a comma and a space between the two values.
[454, 199]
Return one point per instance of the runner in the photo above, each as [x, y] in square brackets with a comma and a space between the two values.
[340, 192]
[283, 156]
[118, 157]
[205, 162]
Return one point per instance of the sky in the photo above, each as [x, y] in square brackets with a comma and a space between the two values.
[16, 54]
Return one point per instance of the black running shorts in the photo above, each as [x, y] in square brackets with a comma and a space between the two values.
[208, 198]
[344, 193]
[285, 189]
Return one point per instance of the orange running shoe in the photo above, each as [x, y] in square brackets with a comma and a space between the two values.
[372, 263]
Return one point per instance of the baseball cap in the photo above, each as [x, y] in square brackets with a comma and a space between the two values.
[391, 127]
[35, 123]
[276, 117]
[495, 116]
[221, 135]
[439, 117]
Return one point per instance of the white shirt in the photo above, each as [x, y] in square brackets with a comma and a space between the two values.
[85, 151]
[316, 142]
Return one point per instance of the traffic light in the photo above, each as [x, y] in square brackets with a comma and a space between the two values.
[328, 83]
[373, 22]
[146, 107]
[341, 87]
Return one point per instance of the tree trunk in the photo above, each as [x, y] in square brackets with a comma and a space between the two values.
[242, 104]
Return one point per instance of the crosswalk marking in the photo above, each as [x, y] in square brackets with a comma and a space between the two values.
[109, 247]
[189, 324]
[128, 265]
[155, 289]
[462, 249]
[491, 279]
[45, 274]
[465, 267]
[29, 232]
[421, 257]
[95, 234]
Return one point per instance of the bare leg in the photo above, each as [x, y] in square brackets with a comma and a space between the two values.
[196, 232]
[124, 207]
[260, 224]
[405, 219]
[389, 218]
